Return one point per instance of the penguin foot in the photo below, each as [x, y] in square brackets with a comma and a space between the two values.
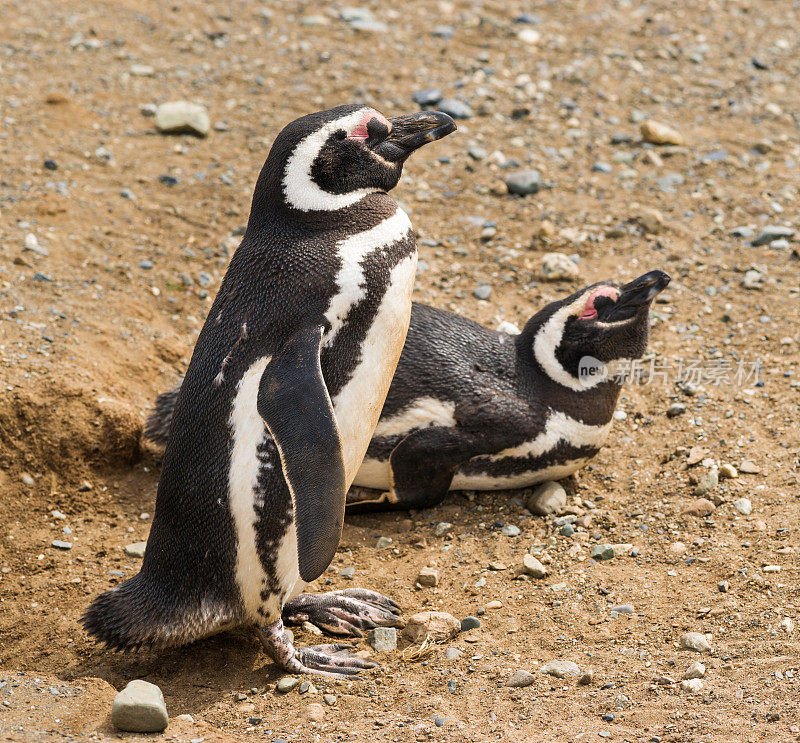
[351, 611]
[331, 660]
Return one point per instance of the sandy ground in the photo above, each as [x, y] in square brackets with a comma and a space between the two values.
[89, 335]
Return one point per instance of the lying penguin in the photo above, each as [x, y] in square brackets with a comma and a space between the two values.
[280, 400]
[477, 409]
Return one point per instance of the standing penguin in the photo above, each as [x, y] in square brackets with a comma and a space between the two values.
[280, 400]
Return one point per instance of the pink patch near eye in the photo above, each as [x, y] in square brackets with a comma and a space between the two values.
[589, 311]
[360, 131]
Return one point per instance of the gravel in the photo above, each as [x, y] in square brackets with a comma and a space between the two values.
[766, 235]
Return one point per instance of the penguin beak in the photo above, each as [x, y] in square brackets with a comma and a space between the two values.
[637, 295]
[412, 131]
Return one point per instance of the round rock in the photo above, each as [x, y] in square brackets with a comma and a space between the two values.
[520, 678]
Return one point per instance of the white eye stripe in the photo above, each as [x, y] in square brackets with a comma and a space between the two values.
[299, 188]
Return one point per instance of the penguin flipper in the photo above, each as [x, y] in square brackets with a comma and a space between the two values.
[294, 403]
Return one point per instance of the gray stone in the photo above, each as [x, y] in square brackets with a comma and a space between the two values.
[455, 107]
[692, 686]
[601, 167]
[329, 699]
[558, 267]
[27, 479]
[669, 182]
[427, 97]
[382, 639]
[676, 409]
[468, 623]
[743, 506]
[602, 552]
[452, 653]
[567, 530]
[140, 708]
[510, 530]
[136, 549]
[549, 498]
[695, 641]
[524, 182]
[708, 482]
[623, 609]
[773, 232]
[183, 117]
[560, 668]
[482, 291]
[383, 542]
[347, 573]
[61, 545]
[286, 684]
[520, 679]
[442, 528]
[369, 26]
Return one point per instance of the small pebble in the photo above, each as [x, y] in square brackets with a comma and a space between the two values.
[468, 623]
[520, 679]
[743, 506]
[482, 291]
[428, 577]
[657, 133]
[510, 530]
[61, 545]
[695, 641]
[524, 182]
[676, 409]
[695, 671]
[602, 552]
[558, 267]
[547, 499]
[286, 684]
[136, 549]
[692, 686]
[382, 639]
[27, 479]
[560, 668]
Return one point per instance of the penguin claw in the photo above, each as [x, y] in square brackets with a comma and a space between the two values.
[351, 611]
[333, 659]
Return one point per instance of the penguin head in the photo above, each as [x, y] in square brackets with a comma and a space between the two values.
[601, 323]
[330, 160]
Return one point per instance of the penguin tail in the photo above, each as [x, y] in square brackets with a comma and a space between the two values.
[156, 427]
[137, 614]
